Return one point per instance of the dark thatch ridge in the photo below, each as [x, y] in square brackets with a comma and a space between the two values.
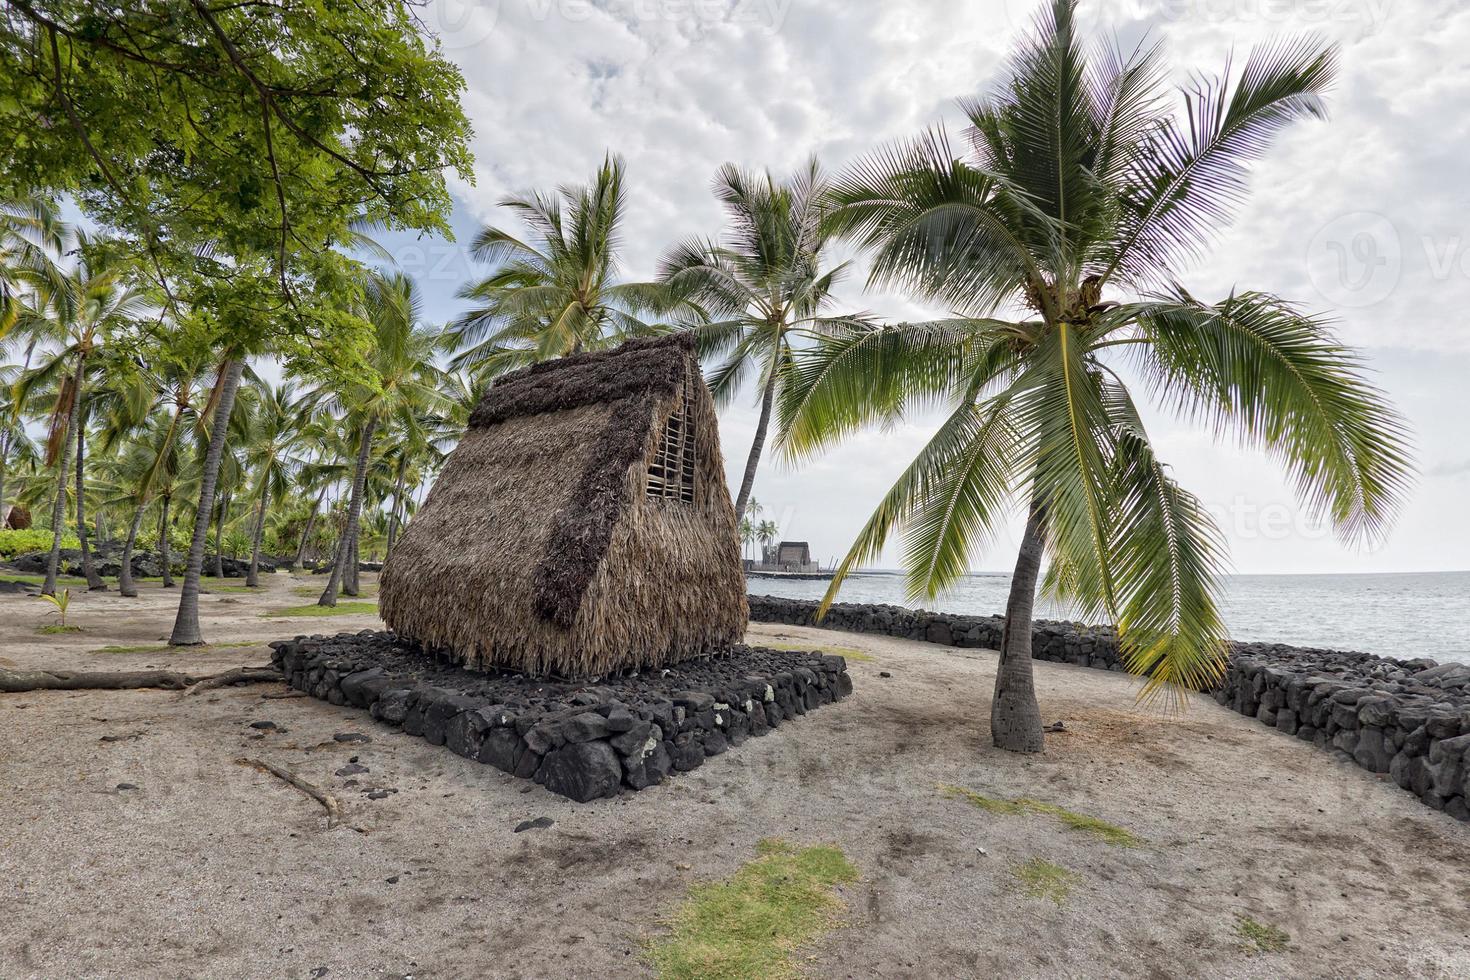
[641, 368]
[583, 528]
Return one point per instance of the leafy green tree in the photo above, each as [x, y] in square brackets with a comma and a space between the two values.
[558, 293]
[403, 383]
[234, 148]
[1081, 197]
[763, 286]
[30, 234]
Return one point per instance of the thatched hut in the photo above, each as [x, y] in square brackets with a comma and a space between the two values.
[582, 525]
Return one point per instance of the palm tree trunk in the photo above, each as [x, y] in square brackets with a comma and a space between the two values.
[186, 624]
[125, 584]
[354, 510]
[306, 531]
[756, 447]
[94, 581]
[165, 560]
[58, 506]
[350, 582]
[397, 506]
[252, 578]
[1015, 717]
[218, 568]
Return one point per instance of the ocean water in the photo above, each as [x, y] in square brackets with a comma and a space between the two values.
[1416, 614]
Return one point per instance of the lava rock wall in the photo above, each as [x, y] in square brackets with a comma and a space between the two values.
[582, 741]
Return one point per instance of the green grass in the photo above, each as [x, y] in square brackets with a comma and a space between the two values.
[1042, 879]
[55, 628]
[312, 591]
[340, 609]
[752, 924]
[1265, 938]
[847, 652]
[66, 580]
[1101, 829]
[165, 648]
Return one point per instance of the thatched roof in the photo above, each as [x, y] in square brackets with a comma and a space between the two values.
[540, 549]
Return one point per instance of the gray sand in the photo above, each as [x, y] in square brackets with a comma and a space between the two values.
[210, 868]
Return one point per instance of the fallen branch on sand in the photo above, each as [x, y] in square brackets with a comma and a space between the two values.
[23, 681]
[240, 675]
[334, 809]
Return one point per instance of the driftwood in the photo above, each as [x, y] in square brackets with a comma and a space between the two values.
[240, 675]
[22, 681]
[334, 809]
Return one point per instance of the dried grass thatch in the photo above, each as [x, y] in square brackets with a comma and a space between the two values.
[539, 548]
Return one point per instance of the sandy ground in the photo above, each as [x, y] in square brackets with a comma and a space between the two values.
[210, 868]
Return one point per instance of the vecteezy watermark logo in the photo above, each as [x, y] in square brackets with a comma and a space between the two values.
[459, 24]
[1355, 260]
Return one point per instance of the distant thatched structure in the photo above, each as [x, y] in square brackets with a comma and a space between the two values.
[582, 525]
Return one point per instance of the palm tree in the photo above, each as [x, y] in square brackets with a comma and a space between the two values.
[556, 293]
[17, 448]
[766, 532]
[30, 231]
[747, 534]
[272, 434]
[763, 287]
[76, 323]
[1081, 197]
[406, 383]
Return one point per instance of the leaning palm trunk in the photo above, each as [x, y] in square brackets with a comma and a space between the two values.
[165, 560]
[58, 505]
[758, 446]
[397, 508]
[306, 531]
[94, 581]
[186, 624]
[349, 574]
[218, 566]
[354, 509]
[252, 577]
[125, 584]
[1015, 717]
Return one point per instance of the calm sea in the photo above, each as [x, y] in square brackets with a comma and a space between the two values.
[1420, 614]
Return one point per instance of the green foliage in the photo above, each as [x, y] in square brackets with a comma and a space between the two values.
[751, 924]
[1265, 938]
[57, 628]
[1057, 234]
[13, 543]
[61, 601]
[235, 148]
[1101, 829]
[1042, 879]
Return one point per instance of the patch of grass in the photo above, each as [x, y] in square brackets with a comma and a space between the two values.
[312, 591]
[1265, 938]
[751, 924]
[1042, 879]
[164, 648]
[53, 628]
[1101, 829]
[846, 652]
[340, 609]
[41, 579]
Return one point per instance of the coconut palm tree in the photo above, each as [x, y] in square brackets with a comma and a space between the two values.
[30, 233]
[766, 532]
[763, 286]
[17, 448]
[1057, 241]
[406, 383]
[555, 293]
[77, 322]
[272, 437]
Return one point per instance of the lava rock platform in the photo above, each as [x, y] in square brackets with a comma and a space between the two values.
[583, 740]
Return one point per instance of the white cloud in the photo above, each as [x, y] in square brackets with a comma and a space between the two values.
[681, 87]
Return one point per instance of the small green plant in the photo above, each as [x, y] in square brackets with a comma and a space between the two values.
[61, 601]
[751, 924]
[1101, 829]
[1042, 879]
[1265, 938]
[13, 542]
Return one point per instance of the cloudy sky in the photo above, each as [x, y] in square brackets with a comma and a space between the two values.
[1362, 216]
